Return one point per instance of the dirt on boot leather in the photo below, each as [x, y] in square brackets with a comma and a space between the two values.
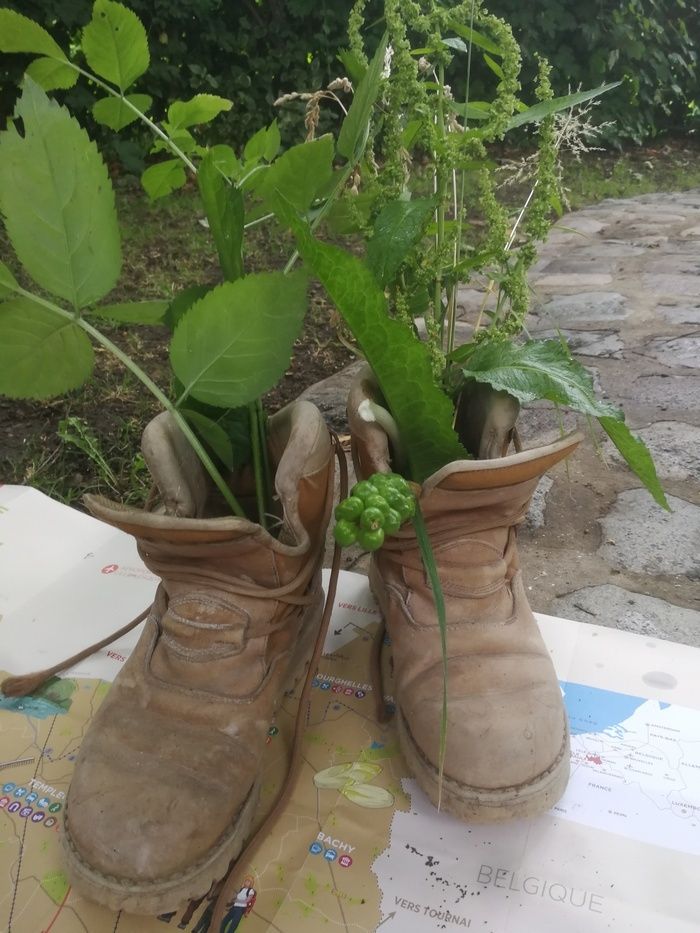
[167, 780]
[507, 743]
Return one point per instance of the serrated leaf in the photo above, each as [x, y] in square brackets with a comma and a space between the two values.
[18, 33]
[353, 132]
[538, 369]
[234, 422]
[225, 159]
[397, 229]
[8, 283]
[183, 302]
[637, 457]
[545, 370]
[401, 363]
[41, 353]
[546, 107]
[369, 796]
[223, 205]
[299, 173]
[265, 144]
[133, 312]
[354, 68]
[160, 179]
[52, 74]
[354, 772]
[199, 109]
[183, 139]
[114, 112]
[58, 202]
[115, 44]
[212, 434]
[236, 342]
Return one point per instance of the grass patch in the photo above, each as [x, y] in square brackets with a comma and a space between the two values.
[671, 166]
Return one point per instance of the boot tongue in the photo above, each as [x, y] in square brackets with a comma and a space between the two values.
[175, 468]
[486, 420]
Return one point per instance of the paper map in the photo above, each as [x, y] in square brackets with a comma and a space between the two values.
[359, 848]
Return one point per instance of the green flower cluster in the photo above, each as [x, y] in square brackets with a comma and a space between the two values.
[376, 507]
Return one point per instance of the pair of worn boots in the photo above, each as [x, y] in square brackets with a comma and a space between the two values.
[167, 780]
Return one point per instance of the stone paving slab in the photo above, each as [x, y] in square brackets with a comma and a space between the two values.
[616, 607]
[640, 537]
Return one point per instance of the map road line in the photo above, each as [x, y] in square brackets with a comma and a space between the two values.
[60, 908]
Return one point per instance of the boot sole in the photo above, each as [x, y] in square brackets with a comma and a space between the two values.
[479, 804]
[486, 805]
[163, 895]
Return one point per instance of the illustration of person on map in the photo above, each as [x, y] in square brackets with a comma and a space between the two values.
[240, 907]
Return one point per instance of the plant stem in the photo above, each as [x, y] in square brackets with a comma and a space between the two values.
[144, 378]
[142, 116]
[440, 191]
[254, 427]
[262, 421]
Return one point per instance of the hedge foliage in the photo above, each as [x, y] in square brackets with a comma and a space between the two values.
[254, 50]
[653, 45]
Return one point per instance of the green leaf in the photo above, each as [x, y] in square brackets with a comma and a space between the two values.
[299, 173]
[410, 133]
[472, 111]
[265, 144]
[115, 45]
[398, 228]
[223, 205]
[354, 68]
[58, 202]
[183, 139]
[183, 302]
[199, 109]
[236, 342]
[213, 435]
[133, 312]
[369, 796]
[546, 107]
[51, 74]
[225, 159]
[494, 66]
[637, 457]
[538, 369]
[41, 353]
[544, 369]
[160, 179]
[8, 283]
[353, 132]
[20, 34]
[476, 38]
[400, 361]
[114, 112]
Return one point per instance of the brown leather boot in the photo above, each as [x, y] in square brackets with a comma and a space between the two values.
[507, 751]
[167, 780]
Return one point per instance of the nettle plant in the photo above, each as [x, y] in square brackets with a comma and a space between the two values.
[230, 343]
[424, 199]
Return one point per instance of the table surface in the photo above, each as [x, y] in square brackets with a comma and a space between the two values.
[621, 850]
